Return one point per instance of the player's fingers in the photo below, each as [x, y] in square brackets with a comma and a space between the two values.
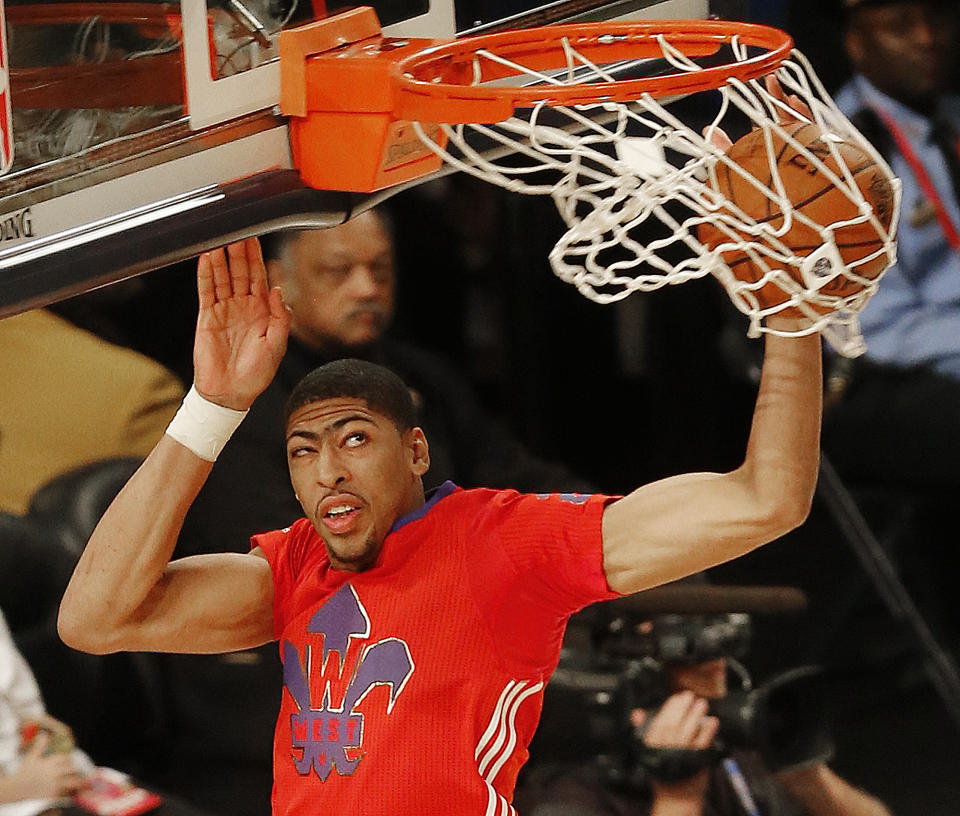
[205, 288]
[279, 326]
[797, 109]
[258, 269]
[239, 268]
[221, 274]
[718, 138]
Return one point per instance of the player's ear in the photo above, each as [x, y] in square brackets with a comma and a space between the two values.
[419, 451]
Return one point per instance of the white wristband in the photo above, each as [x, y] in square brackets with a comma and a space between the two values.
[203, 426]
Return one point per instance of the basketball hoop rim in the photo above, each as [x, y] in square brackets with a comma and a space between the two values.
[422, 94]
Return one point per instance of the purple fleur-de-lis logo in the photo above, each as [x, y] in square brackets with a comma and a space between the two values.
[326, 734]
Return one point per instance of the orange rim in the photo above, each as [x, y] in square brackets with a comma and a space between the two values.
[434, 83]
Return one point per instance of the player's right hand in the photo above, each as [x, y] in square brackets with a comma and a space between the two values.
[242, 326]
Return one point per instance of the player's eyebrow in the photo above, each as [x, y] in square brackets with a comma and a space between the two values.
[313, 436]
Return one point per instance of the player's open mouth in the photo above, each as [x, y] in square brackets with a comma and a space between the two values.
[340, 517]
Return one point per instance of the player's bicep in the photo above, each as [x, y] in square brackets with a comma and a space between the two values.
[677, 526]
[207, 603]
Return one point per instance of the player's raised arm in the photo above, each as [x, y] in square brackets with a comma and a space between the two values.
[687, 523]
[124, 594]
[681, 525]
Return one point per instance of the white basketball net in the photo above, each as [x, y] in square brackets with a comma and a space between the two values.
[632, 183]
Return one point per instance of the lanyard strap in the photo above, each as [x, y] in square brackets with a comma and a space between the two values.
[740, 787]
[923, 178]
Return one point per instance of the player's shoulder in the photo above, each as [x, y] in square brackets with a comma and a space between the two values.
[478, 497]
[503, 503]
[508, 497]
[484, 510]
[290, 545]
[451, 505]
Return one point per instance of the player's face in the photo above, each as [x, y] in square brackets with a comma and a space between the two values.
[905, 48]
[339, 283]
[355, 474]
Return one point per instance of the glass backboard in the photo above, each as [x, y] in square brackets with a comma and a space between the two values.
[138, 134]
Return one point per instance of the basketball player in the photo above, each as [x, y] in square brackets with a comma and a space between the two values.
[339, 286]
[416, 631]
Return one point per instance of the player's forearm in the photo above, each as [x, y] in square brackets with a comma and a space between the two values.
[691, 522]
[783, 452]
[130, 548]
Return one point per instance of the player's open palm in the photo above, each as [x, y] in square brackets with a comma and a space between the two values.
[242, 326]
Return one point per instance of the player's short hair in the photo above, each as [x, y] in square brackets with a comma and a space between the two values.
[382, 390]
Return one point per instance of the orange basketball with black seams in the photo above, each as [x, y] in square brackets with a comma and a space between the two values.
[811, 193]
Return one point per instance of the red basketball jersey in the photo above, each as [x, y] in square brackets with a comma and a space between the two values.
[415, 686]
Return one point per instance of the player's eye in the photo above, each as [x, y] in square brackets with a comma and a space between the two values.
[354, 439]
[298, 452]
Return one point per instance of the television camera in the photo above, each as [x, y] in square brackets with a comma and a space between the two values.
[619, 656]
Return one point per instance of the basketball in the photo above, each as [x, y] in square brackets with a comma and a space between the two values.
[812, 193]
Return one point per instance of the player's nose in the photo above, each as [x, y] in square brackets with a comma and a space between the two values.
[331, 470]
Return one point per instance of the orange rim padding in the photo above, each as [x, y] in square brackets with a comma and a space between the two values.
[353, 93]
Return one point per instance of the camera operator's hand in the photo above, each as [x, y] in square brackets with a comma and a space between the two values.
[681, 722]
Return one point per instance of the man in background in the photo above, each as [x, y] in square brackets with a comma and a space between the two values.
[680, 759]
[894, 418]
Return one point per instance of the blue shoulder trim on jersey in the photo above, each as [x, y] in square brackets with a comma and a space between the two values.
[433, 497]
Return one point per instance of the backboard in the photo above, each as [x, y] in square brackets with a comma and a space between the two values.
[138, 134]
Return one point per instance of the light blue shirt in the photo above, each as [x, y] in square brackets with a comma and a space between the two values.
[914, 317]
